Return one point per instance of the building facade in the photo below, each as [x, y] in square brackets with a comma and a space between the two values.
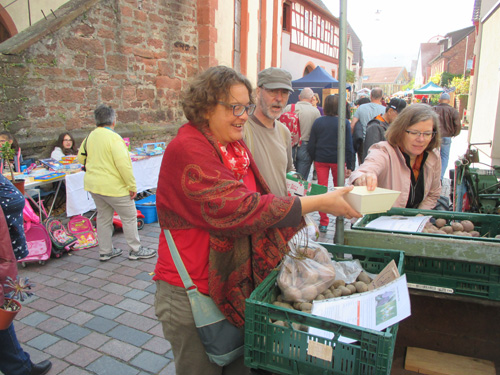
[390, 80]
[456, 52]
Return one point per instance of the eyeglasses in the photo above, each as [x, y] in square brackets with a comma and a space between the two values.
[275, 92]
[417, 134]
[67, 140]
[239, 109]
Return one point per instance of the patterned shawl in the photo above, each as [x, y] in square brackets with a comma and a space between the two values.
[196, 189]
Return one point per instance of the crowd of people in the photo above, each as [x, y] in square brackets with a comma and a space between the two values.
[222, 189]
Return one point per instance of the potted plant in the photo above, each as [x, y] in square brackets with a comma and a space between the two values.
[7, 154]
[19, 291]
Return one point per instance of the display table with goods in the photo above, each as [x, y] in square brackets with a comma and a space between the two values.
[454, 280]
[79, 201]
[461, 262]
[286, 328]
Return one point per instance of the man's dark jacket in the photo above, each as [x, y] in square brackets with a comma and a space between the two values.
[449, 120]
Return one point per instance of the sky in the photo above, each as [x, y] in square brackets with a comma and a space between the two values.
[391, 30]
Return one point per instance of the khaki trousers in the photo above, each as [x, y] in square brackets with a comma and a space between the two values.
[173, 309]
[125, 208]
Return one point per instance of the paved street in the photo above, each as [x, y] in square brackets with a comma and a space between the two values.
[92, 317]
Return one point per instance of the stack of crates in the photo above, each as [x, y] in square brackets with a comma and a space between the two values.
[284, 350]
[440, 273]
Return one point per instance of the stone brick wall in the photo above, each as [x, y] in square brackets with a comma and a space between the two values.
[136, 55]
[457, 56]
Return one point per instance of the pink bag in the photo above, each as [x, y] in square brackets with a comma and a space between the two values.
[39, 243]
[37, 237]
[81, 227]
[29, 214]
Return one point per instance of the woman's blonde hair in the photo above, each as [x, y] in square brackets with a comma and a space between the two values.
[409, 116]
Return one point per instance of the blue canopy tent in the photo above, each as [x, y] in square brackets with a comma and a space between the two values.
[317, 80]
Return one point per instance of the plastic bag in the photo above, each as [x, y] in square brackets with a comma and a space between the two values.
[305, 272]
[311, 227]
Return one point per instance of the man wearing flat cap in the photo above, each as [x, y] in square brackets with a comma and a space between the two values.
[449, 125]
[268, 139]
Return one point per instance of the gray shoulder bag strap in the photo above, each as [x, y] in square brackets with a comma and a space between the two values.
[223, 342]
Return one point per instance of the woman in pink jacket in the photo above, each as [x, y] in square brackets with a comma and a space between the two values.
[408, 161]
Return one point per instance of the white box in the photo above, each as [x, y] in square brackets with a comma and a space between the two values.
[371, 202]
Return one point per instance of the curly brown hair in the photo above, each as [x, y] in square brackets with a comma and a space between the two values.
[409, 116]
[207, 89]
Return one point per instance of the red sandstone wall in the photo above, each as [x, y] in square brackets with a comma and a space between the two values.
[136, 55]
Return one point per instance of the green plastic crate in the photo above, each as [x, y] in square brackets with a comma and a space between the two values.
[456, 277]
[283, 350]
[488, 226]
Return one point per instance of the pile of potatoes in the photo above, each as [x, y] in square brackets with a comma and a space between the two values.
[337, 289]
[305, 273]
[455, 228]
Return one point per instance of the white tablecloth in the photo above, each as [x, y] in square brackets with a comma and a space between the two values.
[79, 201]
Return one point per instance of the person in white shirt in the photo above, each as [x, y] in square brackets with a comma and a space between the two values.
[65, 146]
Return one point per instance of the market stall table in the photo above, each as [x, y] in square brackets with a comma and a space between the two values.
[32, 187]
[79, 201]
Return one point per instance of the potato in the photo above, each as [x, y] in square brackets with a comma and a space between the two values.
[345, 291]
[363, 276]
[283, 304]
[352, 288]
[306, 306]
[328, 294]
[319, 297]
[285, 279]
[475, 233]
[440, 223]
[338, 292]
[309, 293]
[439, 231]
[466, 234]
[280, 323]
[292, 294]
[497, 236]
[447, 229]
[360, 286]
[457, 227]
[468, 225]
[338, 283]
[308, 277]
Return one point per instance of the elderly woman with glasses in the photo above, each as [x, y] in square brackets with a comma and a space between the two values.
[408, 161]
[229, 229]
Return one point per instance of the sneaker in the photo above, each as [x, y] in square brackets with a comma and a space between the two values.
[116, 252]
[143, 253]
[323, 228]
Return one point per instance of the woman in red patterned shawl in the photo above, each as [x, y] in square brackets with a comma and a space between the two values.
[229, 230]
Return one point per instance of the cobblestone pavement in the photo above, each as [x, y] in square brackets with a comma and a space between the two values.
[92, 317]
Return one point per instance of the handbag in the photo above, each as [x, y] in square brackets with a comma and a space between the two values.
[223, 341]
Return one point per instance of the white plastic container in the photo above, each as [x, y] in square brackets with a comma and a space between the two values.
[371, 202]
